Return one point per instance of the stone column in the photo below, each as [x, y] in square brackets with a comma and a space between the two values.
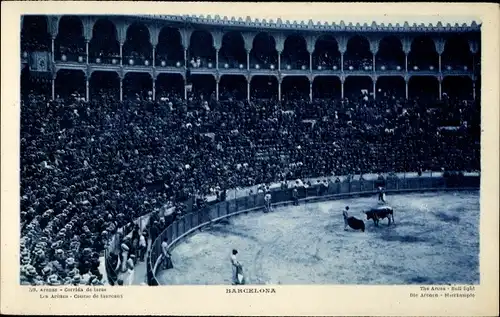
[154, 87]
[122, 37]
[217, 60]
[87, 51]
[248, 43]
[279, 89]
[121, 88]
[88, 25]
[440, 43]
[440, 87]
[154, 56]
[53, 87]
[406, 49]
[185, 38]
[53, 29]
[342, 42]
[406, 88]
[155, 32]
[310, 41]
[185, 90]
[248, 88]
[217, 45]
[121, 54]
[53, 50]
[217, 89]
[87, 88]
[279, 60]
[248, 60]
[374, 50]
[342, 88]
[280, 46]
[374, 80]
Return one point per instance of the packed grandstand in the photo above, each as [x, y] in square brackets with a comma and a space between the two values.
[102, 143]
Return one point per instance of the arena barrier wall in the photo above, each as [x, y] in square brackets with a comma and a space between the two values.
[191, 222]
[112, 249]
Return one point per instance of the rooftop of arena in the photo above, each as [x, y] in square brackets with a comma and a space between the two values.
[315, 24]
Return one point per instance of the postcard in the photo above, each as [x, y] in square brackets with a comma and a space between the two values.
[205, 158]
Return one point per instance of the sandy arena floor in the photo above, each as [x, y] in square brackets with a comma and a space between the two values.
[435, 241]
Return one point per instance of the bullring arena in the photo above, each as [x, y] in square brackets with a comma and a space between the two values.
[431, 243]
[146, 138]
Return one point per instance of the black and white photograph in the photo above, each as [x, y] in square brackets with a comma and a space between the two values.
[208, 149]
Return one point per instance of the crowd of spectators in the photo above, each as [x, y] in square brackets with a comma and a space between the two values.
[326, 61]
[88, 169]
[29, 44]
[365, 64]
[232, 61]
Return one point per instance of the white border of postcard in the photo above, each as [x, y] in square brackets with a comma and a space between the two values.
[287, 300]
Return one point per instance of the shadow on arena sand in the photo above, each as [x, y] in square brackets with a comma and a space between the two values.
[435, 241]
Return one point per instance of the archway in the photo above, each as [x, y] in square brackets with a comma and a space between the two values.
[137, 86]
[263, 53]
[456, 54]
[423, 87]
[295, 88]
[358, 55]
[35, 82]
[104, 84]
[326, 53]
[35, 34]
[457, 87]
[137, 46]
[233, 87]
[70, 42]
[69, 82]
[203, 87]
[358, 87]
[232, 52]
[201, 50]
[327, 87]
[104, 46]
[390, 55]
[295, 54]
[391, 87]
[423, 55]
[264, 87]
[170, 86]
[169, 51]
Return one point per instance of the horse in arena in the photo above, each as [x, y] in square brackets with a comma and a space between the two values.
[353, 222]
[380, 213]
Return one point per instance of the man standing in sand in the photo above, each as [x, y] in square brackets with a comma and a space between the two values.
[345, 214]
[267, 199]
[237, 270]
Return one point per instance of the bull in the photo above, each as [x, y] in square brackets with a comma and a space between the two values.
[352, 222]
[376, 214]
